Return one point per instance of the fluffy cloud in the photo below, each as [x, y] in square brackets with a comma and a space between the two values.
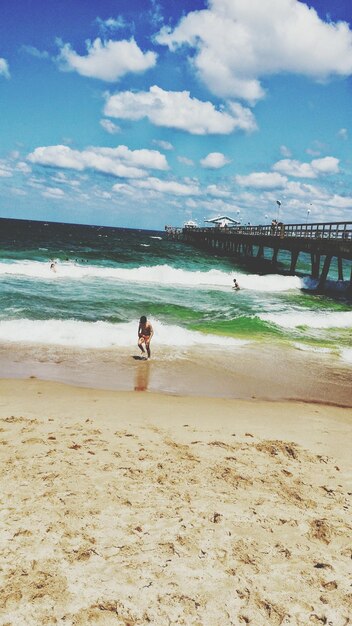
[176, 109]
[4, 68]
[237, 42]
[214, 160]
[119, 161]
[290, 167]
[326, 165]
[262, 180]
[107, 60]
[109, 126]
[168, 186]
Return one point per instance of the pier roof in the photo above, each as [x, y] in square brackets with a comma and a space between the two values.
[222, 220]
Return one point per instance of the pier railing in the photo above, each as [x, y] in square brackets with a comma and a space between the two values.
[331, 230]
[320, 240]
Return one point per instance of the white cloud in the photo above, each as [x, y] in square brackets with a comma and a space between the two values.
[301, 194]
[317, 148]
[4, 68]
[104, 195]
[214, 160]
[107, 60]
[177, 109]
[294, 168]
[185, 160]
[111, 24]
[155, 14]
[34, 52]
[109, 126]
[5, 170]
[326, 165]
[53, 192]
[168, 186]
[290, 167]
[343, 133]
[23, 167]
[123, 188]
[237, 43]
[62, 179]
[217, 192]
[341, 202]
[164, 145]
[119, 161]
[262, 180]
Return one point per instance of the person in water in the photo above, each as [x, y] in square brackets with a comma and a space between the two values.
[145, 333]
[235, 285]
[53, 266]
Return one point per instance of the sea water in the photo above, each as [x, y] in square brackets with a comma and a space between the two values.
[106, 278]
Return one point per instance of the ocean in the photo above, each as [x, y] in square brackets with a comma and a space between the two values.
[79, 323]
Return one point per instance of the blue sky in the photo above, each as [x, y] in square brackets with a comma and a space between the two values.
[146, 113]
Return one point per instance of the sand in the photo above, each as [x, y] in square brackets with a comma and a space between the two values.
[140, 508]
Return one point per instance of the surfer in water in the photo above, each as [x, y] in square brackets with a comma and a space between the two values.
[235, 285]
[53, 266]
[145, 333]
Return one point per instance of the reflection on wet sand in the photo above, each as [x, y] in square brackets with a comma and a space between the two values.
[142, 376]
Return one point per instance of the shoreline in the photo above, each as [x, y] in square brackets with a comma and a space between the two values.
[248, 371]
[125, 507]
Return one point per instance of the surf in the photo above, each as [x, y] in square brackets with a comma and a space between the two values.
[104, 335]
[311, 319]
[152, 274]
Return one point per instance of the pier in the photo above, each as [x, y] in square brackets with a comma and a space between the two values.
[321, 241]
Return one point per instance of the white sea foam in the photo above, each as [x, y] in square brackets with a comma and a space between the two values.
[346, 355]
[157, 274]
[312, 319]
[104, 334]
[307, 348]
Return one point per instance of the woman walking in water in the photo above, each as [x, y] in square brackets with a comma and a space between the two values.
[145, 333]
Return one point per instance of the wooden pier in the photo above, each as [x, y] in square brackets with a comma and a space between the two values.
[322, 241]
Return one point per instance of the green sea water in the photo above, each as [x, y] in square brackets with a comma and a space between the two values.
[105, 279]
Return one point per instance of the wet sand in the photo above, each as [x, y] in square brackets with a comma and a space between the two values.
[260, 371]
[142, 508]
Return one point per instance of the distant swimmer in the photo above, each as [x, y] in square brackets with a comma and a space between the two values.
[145, 333]
[53, 266]
[235, 285]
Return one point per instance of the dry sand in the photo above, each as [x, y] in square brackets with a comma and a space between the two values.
[125, 508]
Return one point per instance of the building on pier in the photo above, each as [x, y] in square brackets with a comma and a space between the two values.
[223, 221]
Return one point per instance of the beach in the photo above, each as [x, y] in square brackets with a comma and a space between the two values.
[207, 486]
[127, 507]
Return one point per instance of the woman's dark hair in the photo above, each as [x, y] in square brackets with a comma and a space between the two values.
[143, 319]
